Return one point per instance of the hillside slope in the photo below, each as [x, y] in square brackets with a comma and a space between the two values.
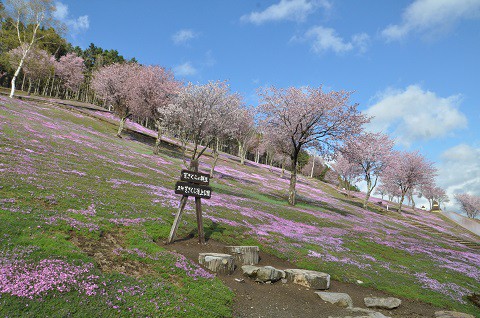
[64, 175]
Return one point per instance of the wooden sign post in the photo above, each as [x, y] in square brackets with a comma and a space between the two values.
[193, 184]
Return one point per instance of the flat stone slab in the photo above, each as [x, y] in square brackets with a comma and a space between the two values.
[307, 278]
[339, 299]
[369, 313]
[263, 273]
[452, 314]
[384, 303]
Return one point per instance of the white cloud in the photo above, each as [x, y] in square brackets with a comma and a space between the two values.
[326, 39]
[79, 24]
[61, 11]
[361, 41]
[432, 17]
[414, 114]
[185, 69]
[459, 172]
[183, 36]
[76, 25]
[294, 10]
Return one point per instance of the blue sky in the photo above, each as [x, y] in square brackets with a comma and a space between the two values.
[414, 65]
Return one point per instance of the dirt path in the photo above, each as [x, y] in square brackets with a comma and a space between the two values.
[290, 300]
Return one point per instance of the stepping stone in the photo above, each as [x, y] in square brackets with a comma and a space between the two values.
[370, 313]
[451, 314]
[339, 299]
[218, 263]
[263, 274]
[384, 303]
[307, 278]
[244, 255]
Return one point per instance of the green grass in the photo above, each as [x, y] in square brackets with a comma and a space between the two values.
[47, 191]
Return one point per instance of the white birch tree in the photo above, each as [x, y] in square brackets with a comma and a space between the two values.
[29, 17]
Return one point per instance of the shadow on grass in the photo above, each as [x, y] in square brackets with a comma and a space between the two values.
[220, 175]
[370, 207]
[213, 228]
[310, 202]
[169, 149]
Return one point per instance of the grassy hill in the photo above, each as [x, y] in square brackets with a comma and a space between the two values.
[67, 183]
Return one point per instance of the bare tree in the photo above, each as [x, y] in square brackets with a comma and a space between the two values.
[29, 17]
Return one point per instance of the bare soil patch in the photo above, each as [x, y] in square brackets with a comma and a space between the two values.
[104, 253]
[290, 300]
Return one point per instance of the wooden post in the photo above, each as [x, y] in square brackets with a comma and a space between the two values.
[176, 222]
[198, 208]
[194, 184]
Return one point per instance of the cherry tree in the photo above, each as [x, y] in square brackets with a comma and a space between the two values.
[315, 164]
[153, 91]
[198, 109]
[308, 117]
[244, 131]
[29, 17]
[113, 82]
[222, 126]
[470, 204]
[407, 171]
[37, 64]
[381, 190]
[70, 69]
[349, 172]
[371, 152]
[432, 193]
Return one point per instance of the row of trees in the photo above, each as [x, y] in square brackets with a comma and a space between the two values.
[34, 56]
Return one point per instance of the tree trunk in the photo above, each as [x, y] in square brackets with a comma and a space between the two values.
[215, 159]
[292, 192]
[29, 87]
[37, 90]
[313, 166]
[120, 127]
[400, 202]
[45, 87]
[240, 150]
[23, 81]
[52, 86]
[369, 190]
[156, 149]
[15, 75]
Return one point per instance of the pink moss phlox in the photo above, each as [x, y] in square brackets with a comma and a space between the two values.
[29, 280]
[451, 290]
[191, 269]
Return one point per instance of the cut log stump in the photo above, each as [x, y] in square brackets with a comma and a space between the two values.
[244, 255]
[218, 263]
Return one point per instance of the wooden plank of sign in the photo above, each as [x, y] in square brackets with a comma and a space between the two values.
[194, 190]
[195, 177]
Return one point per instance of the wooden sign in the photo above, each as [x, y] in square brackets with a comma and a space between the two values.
[192, 189]
[195, 177]
[192, 184]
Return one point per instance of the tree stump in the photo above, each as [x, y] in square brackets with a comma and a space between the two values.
[218, 263]
[244, 255]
